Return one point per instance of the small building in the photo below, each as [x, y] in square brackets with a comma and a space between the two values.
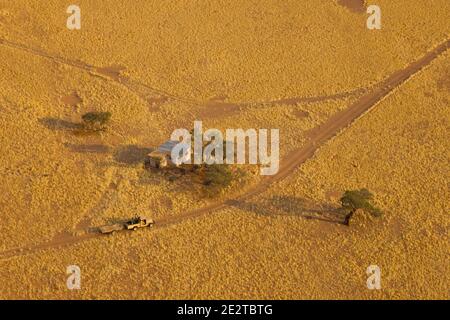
[162, 156]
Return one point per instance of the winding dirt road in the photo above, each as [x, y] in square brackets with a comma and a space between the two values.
[322, 133]
[316, 138]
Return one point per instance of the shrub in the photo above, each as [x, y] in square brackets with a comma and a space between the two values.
[353, 200]
[217, 177]
[96, 120]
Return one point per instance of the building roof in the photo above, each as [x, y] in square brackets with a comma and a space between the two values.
[165, 150]
[167, 146]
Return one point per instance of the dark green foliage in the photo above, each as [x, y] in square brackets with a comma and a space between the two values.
[352, 200]
[217, 177]
[96, 120]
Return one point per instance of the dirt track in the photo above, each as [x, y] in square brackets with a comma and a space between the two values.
[317, 137]
[327, 130]
[148, 94]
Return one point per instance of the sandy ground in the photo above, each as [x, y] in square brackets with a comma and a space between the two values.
[300, 67]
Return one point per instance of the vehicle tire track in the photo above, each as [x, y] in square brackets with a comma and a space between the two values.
[107, 198]
[146, 92]
[317, 137]
[104, 202]
[322, 133]
[128, 83]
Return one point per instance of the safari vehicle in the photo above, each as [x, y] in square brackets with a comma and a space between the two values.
[138, 222]
[133, 224]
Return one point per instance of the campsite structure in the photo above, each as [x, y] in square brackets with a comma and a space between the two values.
[162, 156]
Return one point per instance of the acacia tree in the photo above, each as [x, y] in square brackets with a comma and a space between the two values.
[217, 177]
[353, 200]
[96, 121]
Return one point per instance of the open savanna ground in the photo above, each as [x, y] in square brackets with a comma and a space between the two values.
[157, 66]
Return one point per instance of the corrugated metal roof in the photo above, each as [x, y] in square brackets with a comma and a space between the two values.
[167, 146]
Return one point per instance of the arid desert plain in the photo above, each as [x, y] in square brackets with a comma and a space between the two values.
[356, 108]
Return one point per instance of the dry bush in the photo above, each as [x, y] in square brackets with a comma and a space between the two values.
[96, 121]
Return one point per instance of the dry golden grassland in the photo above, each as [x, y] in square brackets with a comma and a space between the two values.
[245, 50]
[228, 63]
[264, 248]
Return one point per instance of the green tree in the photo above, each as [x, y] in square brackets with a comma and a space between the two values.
[96, 121]
[217, 177]
[353, 200]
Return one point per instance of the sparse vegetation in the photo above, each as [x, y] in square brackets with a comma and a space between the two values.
[212, 179]
[57, 181]
[353, 200]
[96, 121]
[217, 177]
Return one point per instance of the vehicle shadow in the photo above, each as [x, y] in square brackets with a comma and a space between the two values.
[109, 222]
[293, 206]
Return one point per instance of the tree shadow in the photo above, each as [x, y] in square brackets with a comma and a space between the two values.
[58, 124]
[292, 206]
[76, 128]
[129, 155]
[88, 148]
